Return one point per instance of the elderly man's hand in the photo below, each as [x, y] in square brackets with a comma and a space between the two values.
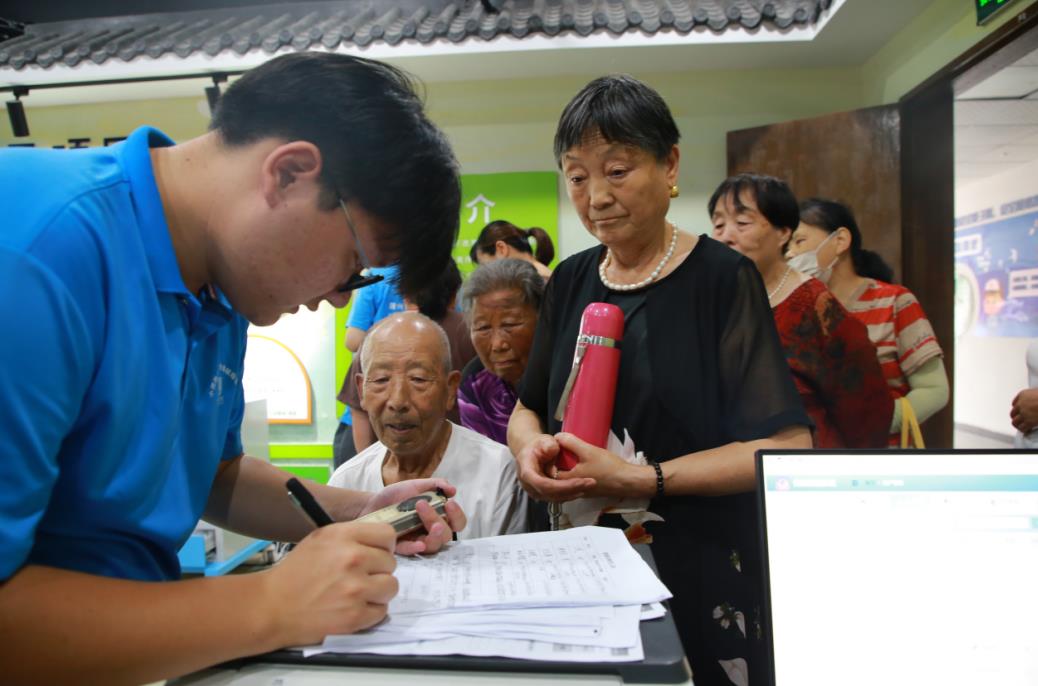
[536, 466]
[438, 530]
[1024, 413]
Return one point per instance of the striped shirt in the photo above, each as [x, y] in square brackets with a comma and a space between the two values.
[898, 328]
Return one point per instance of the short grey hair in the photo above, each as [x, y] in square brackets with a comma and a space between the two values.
[501, 275]
[365, 347]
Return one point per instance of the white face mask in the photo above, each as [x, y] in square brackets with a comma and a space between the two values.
[807, 263]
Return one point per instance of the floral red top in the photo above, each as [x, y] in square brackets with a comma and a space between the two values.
[835, 369]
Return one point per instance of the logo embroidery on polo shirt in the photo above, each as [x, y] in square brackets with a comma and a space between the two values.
[216, 385]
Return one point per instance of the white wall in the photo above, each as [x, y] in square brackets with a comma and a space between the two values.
[508, 125]
[989, 371]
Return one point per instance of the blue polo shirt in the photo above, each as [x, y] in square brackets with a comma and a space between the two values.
[121, 390]
[374, 303]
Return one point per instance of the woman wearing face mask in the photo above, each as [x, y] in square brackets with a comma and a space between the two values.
[827, 245]
[833, 362]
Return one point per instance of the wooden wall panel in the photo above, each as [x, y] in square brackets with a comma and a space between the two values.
[853, 157]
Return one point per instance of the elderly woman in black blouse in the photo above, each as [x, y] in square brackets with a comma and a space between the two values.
[703, 382]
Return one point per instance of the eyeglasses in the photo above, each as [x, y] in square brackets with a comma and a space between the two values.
[359, 279]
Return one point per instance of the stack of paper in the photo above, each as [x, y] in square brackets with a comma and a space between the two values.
[575, 595]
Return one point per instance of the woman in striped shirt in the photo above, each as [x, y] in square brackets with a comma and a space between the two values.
[827, 245]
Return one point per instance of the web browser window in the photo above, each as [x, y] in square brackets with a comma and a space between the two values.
[893, 568]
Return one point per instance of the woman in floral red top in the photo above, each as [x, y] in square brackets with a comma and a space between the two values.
[829, 352]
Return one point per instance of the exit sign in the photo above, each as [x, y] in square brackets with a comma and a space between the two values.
[987, 8]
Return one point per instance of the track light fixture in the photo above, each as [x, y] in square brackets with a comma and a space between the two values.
[212, 93]
[16, 113]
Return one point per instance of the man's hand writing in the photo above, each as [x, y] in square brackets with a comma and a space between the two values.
[338, 580]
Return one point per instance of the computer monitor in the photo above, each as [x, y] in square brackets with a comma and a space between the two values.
[900, 567]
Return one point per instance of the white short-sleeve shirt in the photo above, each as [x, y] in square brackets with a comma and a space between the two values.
[483, 471]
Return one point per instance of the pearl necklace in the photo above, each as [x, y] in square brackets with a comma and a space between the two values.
[781, 284]
[646, 281]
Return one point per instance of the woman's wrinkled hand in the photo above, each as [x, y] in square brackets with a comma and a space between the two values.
[536, 467]
[612, 476]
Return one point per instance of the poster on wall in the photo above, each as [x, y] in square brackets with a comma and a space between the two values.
[996, 271]
[526, 199]
[276, 374]
[286, 364]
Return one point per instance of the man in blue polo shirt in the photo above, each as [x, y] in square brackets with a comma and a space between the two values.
[131, 274]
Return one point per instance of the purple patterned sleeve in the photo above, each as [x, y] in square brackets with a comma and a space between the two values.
[485, 403]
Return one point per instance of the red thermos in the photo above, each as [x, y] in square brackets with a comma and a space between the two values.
[586, 405]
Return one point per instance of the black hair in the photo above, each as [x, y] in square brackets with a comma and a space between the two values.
[434, 300]
[500, 230]
[377, 144]
[829, 216]
[621, 109]
[774, 198]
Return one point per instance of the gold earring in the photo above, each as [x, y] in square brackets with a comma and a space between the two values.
[674, 192]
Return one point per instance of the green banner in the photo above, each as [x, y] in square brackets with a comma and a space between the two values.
[525, 199]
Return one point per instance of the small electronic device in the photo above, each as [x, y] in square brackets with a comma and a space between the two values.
[403, 516]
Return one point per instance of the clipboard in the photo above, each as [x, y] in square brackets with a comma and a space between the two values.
[664, 661]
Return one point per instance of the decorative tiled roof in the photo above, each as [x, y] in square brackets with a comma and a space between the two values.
[329, 25]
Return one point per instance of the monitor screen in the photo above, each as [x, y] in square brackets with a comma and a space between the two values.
[901, 568]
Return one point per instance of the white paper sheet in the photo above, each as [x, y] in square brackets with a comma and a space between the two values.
[575, 595]
[584, 566]
[617, 631]
[503, 647]
[653, 611]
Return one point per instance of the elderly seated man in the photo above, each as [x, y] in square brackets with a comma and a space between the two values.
[407, 387]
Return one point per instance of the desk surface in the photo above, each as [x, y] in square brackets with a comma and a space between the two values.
[286, 675]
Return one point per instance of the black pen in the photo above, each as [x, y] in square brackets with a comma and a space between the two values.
[307, 503]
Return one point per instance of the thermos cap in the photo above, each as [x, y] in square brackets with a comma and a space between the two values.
[603, 319]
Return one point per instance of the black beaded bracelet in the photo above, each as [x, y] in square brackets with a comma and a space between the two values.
[659, 478]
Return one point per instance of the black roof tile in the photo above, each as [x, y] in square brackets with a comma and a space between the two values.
[305, 25]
